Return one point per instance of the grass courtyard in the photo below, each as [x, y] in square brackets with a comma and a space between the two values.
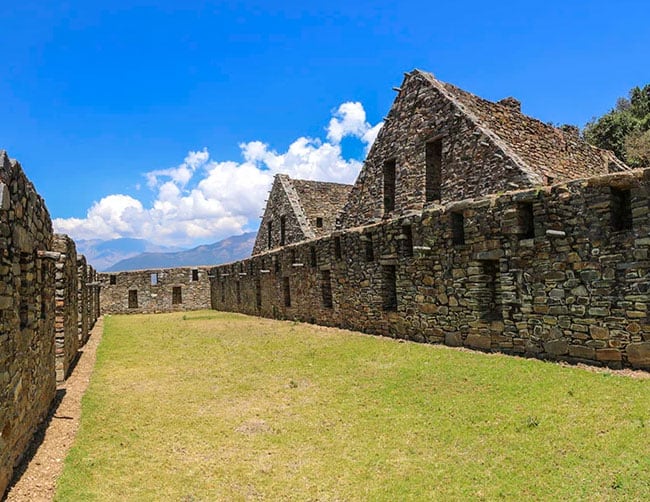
[217, 406]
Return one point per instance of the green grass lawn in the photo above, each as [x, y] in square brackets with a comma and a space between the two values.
[215, 406]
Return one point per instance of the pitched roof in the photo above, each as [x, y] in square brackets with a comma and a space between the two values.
[538, 148]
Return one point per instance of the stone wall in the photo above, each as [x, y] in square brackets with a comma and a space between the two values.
[156, 290]
[66, 323]
[27, 376]
[83, 329]
[93, 285]
[559, 272]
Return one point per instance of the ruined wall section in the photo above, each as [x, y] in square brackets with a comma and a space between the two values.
[559, 273]
[155, 290]
[283, 204]
[83, 329]
[66, 322]
[27, 375]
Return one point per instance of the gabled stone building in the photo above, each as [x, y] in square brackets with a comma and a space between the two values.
[298, 210]
[441, 144]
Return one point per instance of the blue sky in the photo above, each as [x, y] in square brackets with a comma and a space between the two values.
[166, 119]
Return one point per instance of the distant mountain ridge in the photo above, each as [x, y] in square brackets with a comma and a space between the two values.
[103, 254]
[232, 248]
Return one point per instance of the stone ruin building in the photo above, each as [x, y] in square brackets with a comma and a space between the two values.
[470, 224]
[441, 144]
[298, 210]
[156, 290]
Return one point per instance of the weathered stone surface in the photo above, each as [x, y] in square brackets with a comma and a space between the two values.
[582, 352]
[512, 150]
[27, 376]
[638, 354]
[158, 290]
[478, 341]
[608, 355]
[67, 311]
[556, 347]
[298, 210]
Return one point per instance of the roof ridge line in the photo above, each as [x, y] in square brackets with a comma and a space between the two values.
[528, 171]
[294, 200]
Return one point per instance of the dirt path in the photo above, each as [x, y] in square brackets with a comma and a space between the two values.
[44, 462]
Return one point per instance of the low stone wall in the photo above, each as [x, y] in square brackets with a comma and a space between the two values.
[27, 376]
[156, 290]
[66, 324]
[559, 273]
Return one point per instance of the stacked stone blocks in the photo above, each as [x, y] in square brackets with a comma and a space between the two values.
[39, 311]
[66, 323]
[155, 290]
[547, 272]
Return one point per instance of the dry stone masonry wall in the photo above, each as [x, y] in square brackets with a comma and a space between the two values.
[298, 210]
[156, 290]
[441, 144]
[39, 291]
[557, 272]
[466, 226]
[66, 323]
[83, 328]
[27, 377]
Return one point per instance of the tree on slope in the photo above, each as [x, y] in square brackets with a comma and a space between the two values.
[625, 129]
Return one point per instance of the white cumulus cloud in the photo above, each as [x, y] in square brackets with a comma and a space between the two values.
[204, 199]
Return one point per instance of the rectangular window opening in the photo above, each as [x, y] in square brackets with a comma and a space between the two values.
[223, 291]
[370, 252]
[488, 300]
[293, 256]
[283, 230]
[433, 176]
[319, 222]
[276, 264]
[238, 292]
[287, 292]
[195, 275]
[269, 234]
[620, 209]
[326, 288]
[313, 259]
[154, 279]
[338, 254]
[112, 280]
[133, 299]
[389, 185]
[525, 220]
[177, 296]
[457, 229]
[258, 292]
[407, 240]
[389, 287]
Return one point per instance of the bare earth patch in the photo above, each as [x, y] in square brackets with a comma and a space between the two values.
[37, 475]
